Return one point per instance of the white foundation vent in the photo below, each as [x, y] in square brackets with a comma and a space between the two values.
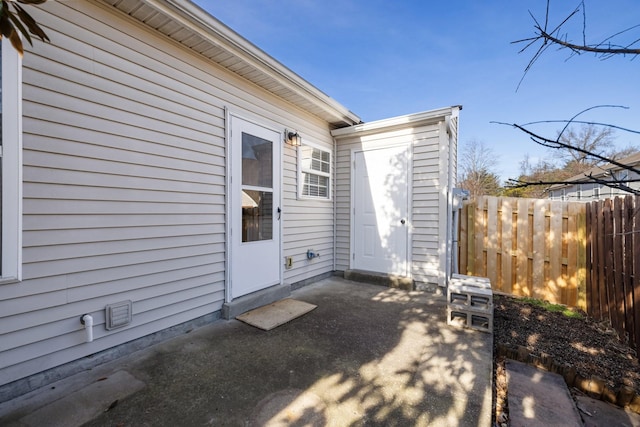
[117, 315]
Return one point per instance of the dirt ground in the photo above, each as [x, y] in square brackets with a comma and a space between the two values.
[592, 348]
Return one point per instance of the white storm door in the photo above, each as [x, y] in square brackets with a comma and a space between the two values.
[254, 207]
[381, 204]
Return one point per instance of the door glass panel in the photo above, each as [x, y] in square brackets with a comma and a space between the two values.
[257, 161]
[257, 215]
[257, 203]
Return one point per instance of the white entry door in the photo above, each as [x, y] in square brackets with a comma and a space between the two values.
[381, 205]
[254, 207]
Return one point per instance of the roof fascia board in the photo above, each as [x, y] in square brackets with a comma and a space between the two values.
[191, 16]
[409, 120]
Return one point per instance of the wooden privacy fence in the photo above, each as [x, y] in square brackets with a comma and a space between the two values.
[613, 262]
[527, 247]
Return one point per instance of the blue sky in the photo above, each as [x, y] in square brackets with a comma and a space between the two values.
[384, 58]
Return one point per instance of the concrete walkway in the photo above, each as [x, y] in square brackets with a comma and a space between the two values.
[539, 398]
[367, 355]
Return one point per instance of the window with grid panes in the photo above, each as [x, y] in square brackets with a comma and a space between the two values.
[315, 172]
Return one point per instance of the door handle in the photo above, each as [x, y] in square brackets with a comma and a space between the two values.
[279, 212]
[402, 221]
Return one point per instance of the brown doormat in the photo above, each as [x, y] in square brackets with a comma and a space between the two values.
[273, 315]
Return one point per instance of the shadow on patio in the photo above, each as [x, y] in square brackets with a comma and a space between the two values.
[367, 355]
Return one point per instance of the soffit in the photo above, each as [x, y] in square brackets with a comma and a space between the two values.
[191, 26]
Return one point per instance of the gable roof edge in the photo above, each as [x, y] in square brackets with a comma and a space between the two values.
[415, 119]
[196, 19]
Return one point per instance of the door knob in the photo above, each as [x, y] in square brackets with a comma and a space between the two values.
[402, 221]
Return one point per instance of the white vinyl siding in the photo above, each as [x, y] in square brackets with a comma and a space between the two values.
[11, 165]
[124, 186]
[307, 222]
[315, 172]
[430, 163]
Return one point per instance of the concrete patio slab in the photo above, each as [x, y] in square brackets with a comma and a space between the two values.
[367, 355]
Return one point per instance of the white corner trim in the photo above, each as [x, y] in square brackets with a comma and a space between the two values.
[11, 163]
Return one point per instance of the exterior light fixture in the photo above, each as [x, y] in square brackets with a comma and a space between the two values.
[292, 137]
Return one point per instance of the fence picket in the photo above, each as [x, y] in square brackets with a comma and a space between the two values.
[581, 255]
[602, 290]
[492, 239]
[538, 247]
[520, 284]
[628, 270]
[590, 267]
[479, 238]
[618, 272]
[636, 270]
[507, 246]
[556, 282]
[609, 268]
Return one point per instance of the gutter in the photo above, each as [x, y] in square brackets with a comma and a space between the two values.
[425, 117]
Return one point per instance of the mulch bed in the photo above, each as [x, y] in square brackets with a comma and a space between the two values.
[589, 354]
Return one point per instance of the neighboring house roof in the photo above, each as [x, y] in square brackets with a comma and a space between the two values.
[191, 26]
[599, 171]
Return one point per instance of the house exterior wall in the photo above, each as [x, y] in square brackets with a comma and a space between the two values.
[588, 191]
[124, 186]
[432, 145]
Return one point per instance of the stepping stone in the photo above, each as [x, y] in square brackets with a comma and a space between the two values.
[538, 398]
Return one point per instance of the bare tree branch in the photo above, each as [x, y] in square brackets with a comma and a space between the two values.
[557, 144]
[610, 49]
[620, 184]
[547, 37]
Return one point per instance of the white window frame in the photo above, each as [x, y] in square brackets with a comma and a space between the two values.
[302, 171]
[596, 193]
[11, 158]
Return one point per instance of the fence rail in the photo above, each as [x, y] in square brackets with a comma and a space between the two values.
[613, 259]
[527, 247]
